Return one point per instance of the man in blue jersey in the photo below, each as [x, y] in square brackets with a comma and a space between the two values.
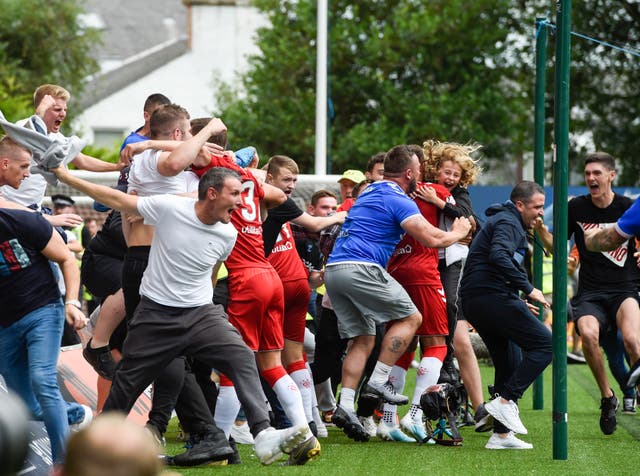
[153, 102]
[364, 294]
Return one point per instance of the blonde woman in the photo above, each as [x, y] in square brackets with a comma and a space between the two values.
[450, 164]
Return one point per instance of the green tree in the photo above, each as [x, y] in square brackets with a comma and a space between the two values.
[41, 41]
[604, 91]
[401, 71]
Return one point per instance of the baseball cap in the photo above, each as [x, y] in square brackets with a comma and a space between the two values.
[354, 175]
[62, 201]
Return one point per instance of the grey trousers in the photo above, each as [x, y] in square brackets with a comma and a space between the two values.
[158, 334]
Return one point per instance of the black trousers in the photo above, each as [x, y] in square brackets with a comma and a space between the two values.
[158, 334]
[507, 327]
[168, 384]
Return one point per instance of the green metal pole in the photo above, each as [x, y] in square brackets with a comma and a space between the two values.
[538, 169]
[561, 133]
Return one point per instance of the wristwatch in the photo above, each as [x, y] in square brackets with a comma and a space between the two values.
[73, 302]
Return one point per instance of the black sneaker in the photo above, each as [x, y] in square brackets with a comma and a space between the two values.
[235, 457]
[386, 392]
[213, 447]
[349, 423]
[100, 359]
[304, 452]
[608, 422]
[484, 420]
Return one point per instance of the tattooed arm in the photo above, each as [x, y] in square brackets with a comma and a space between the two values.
[603, 239]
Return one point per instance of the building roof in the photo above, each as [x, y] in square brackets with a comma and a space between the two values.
[130, 27]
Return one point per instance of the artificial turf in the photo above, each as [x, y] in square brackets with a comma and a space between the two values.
[589, 451]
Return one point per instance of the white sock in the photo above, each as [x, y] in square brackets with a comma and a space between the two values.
[347, 399]
[227, 408]
[290, 399]
[397, 377]
[389, 413]
[427, 375]
[303, 380]
[380, 374]
[415, 412]
[324, 394]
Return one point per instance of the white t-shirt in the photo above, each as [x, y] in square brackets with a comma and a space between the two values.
[33, 188]
[192, 181]
[183, 251]
[145, 179]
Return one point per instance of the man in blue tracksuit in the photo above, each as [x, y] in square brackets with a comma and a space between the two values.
[492, 280]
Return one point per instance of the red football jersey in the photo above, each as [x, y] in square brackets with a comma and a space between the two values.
[249, 249]
[284, 257]
[411, 262]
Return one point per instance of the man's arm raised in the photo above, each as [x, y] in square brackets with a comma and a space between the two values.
[184, 155]
[106, 195]
[433, 237]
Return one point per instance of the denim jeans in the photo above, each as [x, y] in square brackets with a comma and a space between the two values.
[611, 342]
[29, 351]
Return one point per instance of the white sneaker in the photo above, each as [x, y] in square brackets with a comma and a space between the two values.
[415, 428]
[242, 434]
[86, 419]
[270, 444]
[392, 433]
[369, 425]
[322, 430]
[507, 414]
[510, 442]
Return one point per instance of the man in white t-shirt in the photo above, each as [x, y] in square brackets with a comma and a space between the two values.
[176, 312]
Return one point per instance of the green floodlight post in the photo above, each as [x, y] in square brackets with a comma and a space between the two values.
[538, 168]
[560, 186]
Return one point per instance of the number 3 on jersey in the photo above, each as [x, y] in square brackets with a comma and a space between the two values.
[249, 209]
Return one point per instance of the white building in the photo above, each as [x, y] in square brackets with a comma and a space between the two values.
[173, 47]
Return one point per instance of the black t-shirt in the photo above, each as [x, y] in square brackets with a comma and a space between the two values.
[110, 240]
[602, 271]
[308, 247]
[26, 279]
[277, 217]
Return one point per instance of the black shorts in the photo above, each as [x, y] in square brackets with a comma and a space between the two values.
[603, 305]
[101, 274]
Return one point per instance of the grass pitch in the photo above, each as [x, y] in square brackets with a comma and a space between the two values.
[590, 452]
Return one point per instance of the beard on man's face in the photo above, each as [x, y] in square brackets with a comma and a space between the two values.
[412, 186]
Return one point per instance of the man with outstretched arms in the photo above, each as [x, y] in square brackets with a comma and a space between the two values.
[175, 313]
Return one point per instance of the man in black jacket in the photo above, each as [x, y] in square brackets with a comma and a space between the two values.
[489, 291]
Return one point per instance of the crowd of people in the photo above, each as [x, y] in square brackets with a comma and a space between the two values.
[205, 267]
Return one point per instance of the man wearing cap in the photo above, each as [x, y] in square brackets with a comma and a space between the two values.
[63, 204]
[350, 178]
